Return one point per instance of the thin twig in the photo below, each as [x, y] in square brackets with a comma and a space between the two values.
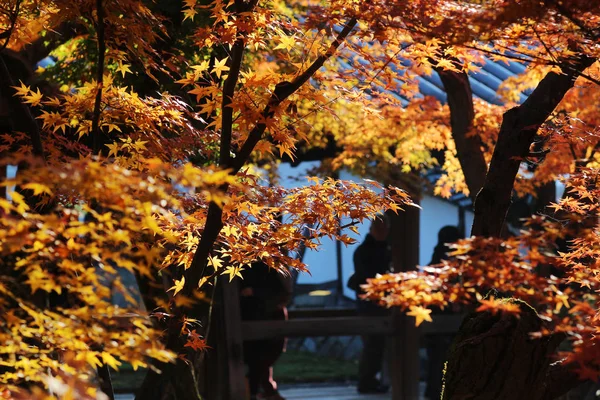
[282, 91]
[576, 21]
[544, 44]
[6, 35]
[99, 77]
[214, 222]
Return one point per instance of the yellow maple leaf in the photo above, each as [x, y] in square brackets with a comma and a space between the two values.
[34, 98]
[38, 188]
[200, 68]
[137, 363]
[22, 90]
[233, 272]
[220, 67]
[286, 43]
[108, 359]
[178, 285]
[203, 280]
[215, 262]
[420, 313]
[91, 358]
[189, 13]
[123, 69]
[447, 65]
[230, 230]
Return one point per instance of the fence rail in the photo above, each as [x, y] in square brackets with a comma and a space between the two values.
[343, 322]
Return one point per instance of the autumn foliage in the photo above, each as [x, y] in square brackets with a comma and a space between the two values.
[151, 145]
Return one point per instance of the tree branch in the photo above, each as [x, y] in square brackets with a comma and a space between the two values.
[237, 53]
[561, 378]
[518, 129]
[591, 33]
[99, 77]
[6, 35]
[282, 91]
[21, 117]
[462, 114]
[43, 45]
[214, 222]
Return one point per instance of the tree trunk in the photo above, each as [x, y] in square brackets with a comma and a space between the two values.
[176, 382]
[518, 129]
[462, 114]
[493, 357]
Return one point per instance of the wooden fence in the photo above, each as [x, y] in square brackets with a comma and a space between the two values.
[404, 367]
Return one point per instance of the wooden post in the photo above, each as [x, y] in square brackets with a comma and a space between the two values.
[232, 339]
[404, 360]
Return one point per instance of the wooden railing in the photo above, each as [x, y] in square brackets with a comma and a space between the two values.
[340, 322]
[403, 336]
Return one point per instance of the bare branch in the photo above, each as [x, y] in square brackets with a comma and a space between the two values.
[237, 53]
[99, 77]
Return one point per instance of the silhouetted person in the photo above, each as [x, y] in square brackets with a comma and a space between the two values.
[265, 293]
[439, 344]
[372, 257]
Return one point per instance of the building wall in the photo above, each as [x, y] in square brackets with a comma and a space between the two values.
[435, 214]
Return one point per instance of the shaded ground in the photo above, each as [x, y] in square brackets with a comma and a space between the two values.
[295, 367]
[292, 367]
[312, 392]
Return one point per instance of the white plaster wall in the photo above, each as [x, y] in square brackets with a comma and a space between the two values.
[322, 264]
[468, 223]
[435, 214]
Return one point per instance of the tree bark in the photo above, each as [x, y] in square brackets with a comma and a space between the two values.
[21, 117]
[518, 129]
[494, 357]
[462, 114]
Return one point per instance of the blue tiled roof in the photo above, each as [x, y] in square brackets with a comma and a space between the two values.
[484, 83]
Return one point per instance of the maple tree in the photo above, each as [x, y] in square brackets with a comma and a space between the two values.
[152, 143]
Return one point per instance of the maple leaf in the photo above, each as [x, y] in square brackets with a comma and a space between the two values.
[196, 342]
[229, 230]
[179, 284]
[420, 313]
[38, 188]
[202, 281]
[220, 67]
[233, 272]
[123, 69]
[91, 357]
[286, 43]
[135, 364]
[34, 98]
[200, 68]
[446, 64]
[108, 359]
[22, 90]
[189, 13]
[215, 262]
